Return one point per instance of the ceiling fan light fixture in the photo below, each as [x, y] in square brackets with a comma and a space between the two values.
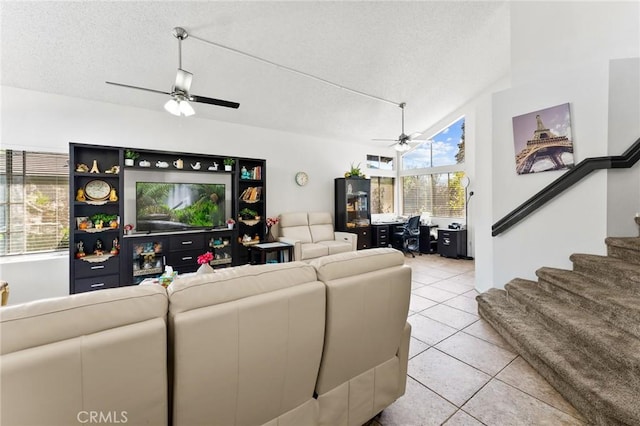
[179, 107]
[172, 106]
[402, 147]
[186, 109]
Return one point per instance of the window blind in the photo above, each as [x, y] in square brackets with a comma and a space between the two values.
[34, 202]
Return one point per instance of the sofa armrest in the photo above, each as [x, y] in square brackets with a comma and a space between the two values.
[403, 355]
[347, 237]
[297, 251]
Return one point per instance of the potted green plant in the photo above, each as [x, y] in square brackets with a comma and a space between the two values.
[228, 163]
[103, 220]
[247, 213]
[354, 172]
[130, 157]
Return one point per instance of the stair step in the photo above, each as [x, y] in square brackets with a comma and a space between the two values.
[604, 395]
[579, 326]
[608, 270]
[626, 248]
[618, 306]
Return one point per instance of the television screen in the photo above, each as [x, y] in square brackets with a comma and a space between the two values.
[162, 206]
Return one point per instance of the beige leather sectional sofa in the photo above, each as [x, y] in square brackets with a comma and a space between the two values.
[312, 235]
[319, 343]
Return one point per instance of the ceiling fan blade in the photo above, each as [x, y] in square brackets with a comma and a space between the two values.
[183, 81]
[385, 140]
[137, 88]
[213, 101]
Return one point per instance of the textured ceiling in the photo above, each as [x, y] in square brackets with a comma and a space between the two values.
[432, 55]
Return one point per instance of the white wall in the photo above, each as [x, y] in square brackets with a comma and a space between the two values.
[560, 53]
[624, 128]
[35, 120]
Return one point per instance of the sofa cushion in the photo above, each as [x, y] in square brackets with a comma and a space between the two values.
[321, 226]
[196, 291]
[368, 295]
[247, 343]
[102, 351]
[336, 247]
[356, 263]
[22, 328]
[322, 233]
[313, 250]
[295, 226]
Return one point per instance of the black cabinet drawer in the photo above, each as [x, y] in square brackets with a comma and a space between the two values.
[182, 258]
[364, 238]
[96, 283]
[85, 269]
[187, 242]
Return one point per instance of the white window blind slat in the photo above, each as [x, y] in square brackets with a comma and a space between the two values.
[34, 202]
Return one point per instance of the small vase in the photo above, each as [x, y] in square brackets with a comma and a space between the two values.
[205, 268]
[230, 225]
[269, 237]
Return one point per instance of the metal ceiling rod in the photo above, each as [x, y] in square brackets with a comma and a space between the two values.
[180, 34]
[284, 67]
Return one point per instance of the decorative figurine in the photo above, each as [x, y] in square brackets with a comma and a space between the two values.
[94, 168]
[244, 173]
[112, 195]
[115, 246]
[113, 170]
[80, 195]
[80, 253]
[98, 248]
[82, 168]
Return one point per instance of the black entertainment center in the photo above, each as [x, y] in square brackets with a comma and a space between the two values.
[177, 203]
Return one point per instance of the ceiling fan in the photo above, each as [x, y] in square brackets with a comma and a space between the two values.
[401, 144]
[180, 96]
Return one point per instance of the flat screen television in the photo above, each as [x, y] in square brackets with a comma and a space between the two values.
[163, 206]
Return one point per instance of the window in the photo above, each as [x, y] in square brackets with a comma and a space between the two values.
[34, 202]
[440, 194]
[382, 194]
[432, 172]
[444, 149]
[379, 162]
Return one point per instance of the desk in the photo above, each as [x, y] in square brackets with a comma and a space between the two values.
[383, 233]
[261, 250]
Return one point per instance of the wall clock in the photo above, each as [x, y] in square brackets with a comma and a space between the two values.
[302, 178]
[97, 190]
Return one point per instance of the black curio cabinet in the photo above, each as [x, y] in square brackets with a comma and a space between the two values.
[353, 208]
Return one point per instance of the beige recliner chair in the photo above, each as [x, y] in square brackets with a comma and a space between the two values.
[312, 235]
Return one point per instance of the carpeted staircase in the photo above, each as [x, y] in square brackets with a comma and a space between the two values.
[580, 329]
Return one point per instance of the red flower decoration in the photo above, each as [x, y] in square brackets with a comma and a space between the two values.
[272, 221]
[205, 258]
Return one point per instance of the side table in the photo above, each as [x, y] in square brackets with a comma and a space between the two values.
[261, 250]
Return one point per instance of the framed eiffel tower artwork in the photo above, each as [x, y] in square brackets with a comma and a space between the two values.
[542, 140]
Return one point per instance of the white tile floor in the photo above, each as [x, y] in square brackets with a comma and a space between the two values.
[461, 372]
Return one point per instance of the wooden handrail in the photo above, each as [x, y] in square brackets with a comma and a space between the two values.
[582, 169]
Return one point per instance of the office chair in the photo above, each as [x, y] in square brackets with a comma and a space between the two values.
[408, 239]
